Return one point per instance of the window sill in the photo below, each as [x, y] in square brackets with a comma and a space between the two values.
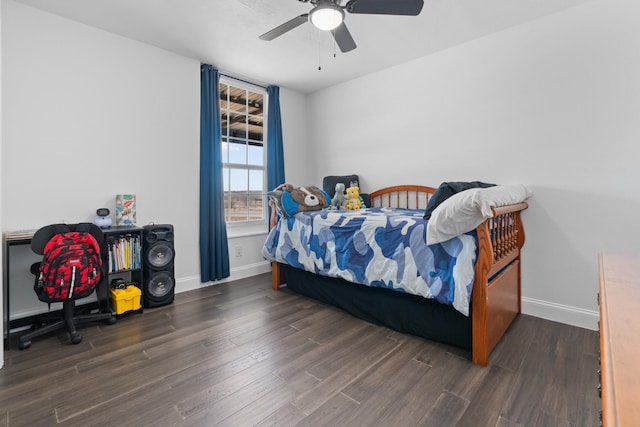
[247, 229]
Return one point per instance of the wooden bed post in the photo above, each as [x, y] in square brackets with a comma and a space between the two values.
[277, 269]
[277, 275]
[479, 327]
[520, 244]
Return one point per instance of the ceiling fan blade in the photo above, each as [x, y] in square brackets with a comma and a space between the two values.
[343, 38]
[287, 26]
[385, 7]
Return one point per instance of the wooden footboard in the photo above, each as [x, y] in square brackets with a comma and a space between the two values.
[495, 299]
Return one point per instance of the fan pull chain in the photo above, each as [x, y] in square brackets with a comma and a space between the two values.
[319, 53]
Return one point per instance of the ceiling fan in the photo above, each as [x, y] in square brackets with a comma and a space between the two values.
[328, 15]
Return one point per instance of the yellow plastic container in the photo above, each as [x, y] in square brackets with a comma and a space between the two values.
[123, 300]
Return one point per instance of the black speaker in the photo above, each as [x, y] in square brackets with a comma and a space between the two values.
[159, 255]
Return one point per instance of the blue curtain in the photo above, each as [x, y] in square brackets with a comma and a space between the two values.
[275, 156]
[214, 250]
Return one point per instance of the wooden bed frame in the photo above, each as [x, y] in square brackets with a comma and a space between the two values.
[495, 299]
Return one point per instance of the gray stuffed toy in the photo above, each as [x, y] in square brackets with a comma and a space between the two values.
[339, 201]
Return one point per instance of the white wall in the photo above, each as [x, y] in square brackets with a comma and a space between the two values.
[295, 134]
[552, 104]
[1, 246]
[90, 115]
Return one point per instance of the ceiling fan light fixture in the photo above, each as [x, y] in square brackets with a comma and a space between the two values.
[327, 17]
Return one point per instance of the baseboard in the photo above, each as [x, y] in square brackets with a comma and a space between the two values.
[193, 282]
[569, 315]
[566, 314]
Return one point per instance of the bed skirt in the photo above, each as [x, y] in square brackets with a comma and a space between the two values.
[399, 311]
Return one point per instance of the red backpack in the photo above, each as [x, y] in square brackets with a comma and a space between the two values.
[71, 266]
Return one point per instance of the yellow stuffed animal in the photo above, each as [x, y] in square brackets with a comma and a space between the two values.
[353, 198]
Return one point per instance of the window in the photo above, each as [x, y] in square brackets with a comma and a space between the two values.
[243, 150]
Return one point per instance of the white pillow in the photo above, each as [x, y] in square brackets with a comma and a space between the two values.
[466, 210]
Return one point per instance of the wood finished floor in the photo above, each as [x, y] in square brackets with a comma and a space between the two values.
[239, 354]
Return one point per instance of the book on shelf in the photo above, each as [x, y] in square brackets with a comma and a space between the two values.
[124, 253]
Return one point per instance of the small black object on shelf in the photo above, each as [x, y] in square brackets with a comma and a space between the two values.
[118, 284]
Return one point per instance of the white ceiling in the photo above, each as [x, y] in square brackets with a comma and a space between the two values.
[225, 33]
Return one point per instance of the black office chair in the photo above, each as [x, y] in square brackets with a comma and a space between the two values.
[68, 319]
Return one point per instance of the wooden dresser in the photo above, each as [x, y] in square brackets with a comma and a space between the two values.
[619, 299]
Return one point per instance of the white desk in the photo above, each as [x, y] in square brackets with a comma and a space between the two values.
[10, 239]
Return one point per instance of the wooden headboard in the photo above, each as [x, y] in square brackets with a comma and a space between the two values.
[402, 196]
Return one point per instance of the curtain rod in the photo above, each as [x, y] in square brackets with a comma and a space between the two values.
[237, 78]
[244, 81]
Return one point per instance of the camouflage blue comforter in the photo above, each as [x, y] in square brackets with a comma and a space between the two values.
[381, 247]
